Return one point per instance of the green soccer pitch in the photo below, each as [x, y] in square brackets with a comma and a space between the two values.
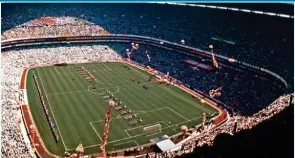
[78, 108]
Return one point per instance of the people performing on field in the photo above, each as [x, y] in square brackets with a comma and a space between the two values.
[128, 115]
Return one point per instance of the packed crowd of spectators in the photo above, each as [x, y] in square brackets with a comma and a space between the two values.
[244, 93]
[207, 137]
[59, 26]
[246, 122]
[13, 62]
[174, 23]
[166, 62]
[248, 96]
[11, 135]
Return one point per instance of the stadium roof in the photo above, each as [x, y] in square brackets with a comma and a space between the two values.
[166, 145]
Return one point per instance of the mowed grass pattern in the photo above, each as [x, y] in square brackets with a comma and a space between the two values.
[79, 110]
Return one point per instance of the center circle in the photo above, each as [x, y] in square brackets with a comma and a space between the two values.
[102, 88]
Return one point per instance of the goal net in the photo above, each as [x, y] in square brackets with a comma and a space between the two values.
[152, 128]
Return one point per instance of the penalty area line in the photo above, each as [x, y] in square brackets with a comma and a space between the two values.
[139, 114]
[174, 125]
[153, 133]
[125, 143]
[127, 133]
[95, 131]
[178, 113]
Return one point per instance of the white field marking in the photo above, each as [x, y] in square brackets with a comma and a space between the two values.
[56, 70]
[127, 133]
[184, 99]
[125, 143]
[138, 111]
[131, 85]
[138, 72]
[106, 66]
[140, 134]
[95, 131]
[153, 134]
[177, 113]
[118, 87]
[136, 142]
[68, 92]
[165, 123]
[119, 116]
[187, 121]
[59, 73]
[155, 110]
[174, 129]
[90, 146]
[96, 69]
[146, 125]
[145, 112]
[52, 112]
[175, 94]
[113, 145]
[99, 70]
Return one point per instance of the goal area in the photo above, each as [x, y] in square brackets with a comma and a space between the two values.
[152, 128]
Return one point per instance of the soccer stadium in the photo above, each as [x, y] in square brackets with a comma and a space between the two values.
[140, 80]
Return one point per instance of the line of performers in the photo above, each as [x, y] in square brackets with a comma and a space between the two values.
[124, 112]
[86, 74]
[144, 85]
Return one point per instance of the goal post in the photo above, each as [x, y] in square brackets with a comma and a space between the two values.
[152, 128]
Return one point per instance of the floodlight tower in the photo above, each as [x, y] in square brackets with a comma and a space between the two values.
[213, 57]
[107, 123]
[215, 63]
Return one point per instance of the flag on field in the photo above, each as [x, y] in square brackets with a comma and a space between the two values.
[148, 56]
[204, 118]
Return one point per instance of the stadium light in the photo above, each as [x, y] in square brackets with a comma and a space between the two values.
[182, 41]
[211, 46]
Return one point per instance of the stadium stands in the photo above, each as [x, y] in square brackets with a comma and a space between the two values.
[251, 99]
